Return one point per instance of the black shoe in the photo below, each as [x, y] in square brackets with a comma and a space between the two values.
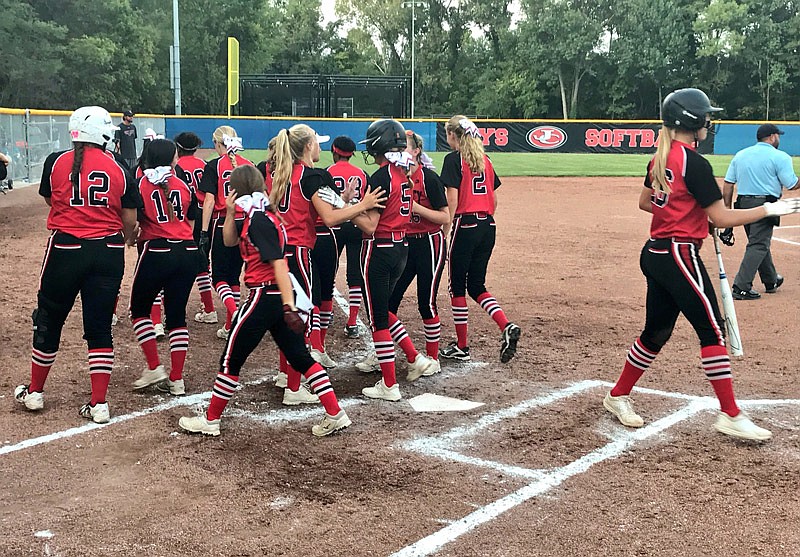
[453, 352]
[739, 294]
[773, 287]
[508, 343]
[351, 331]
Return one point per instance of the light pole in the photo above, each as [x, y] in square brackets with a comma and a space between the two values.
[413, 4]
[175, 58]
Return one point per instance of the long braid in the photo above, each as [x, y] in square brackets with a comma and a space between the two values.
[77, 163]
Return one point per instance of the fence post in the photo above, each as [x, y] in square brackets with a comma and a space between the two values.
[25, 123]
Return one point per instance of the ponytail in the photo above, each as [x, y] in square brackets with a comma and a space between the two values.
[658, 172]
[282, 169]
[470, 142]
[164, 186]
[77, 162]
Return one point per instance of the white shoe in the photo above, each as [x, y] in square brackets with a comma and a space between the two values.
[281, 380]
[158, 328]
[434, 369]
[114, 319]
[31, 400]
[742, 427]
[422, 365]
[380, 390]
[322, 358]
[223, 333]
[622, 408]
[98, 413]
[150, 377]
[303, 395]
[199, 424]
[175, 388]
[329, 424]
[203, 317]
[369, 364]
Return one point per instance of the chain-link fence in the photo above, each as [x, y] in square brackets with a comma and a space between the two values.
[28, 136]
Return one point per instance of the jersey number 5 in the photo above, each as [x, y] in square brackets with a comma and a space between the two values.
[97, 192]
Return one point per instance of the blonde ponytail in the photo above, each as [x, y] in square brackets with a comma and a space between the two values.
[658, 172]
[290, 146]
[470, 147]
[219, 133]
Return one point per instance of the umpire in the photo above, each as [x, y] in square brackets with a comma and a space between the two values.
[758, 172]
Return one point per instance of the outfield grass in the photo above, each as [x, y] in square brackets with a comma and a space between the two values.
[550, 164]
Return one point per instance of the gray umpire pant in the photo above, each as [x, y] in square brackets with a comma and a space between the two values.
[757, 256]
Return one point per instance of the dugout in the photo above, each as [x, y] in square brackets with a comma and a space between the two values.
[325, 96]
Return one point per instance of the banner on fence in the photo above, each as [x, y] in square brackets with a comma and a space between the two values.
[567, 137]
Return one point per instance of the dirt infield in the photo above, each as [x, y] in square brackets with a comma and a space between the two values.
[539, 469]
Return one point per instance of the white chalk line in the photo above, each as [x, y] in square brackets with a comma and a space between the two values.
[785, 241]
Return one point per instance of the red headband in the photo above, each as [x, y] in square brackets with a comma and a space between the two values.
[342, 153]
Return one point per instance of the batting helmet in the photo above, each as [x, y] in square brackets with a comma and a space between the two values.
[686, 108]
[384, 136]
[91, 124]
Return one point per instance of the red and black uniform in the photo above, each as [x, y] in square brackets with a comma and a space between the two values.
[193, 168]
[168, 262]
[226, 263]
[677, 280]
[472, 240]
[426, 255]
[85, 254]
[349, 236]
[261, 241]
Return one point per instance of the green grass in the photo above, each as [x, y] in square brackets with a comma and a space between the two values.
[549, 164]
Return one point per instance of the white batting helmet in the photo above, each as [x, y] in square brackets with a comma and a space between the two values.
[91, 124]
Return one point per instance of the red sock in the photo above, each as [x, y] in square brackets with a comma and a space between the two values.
[354, 297]
[314, 337]
[146, 337]
[490, 306]
[41, 362]
[433, 331]
[321, 386]
[400, 338]
[208, 300]
[638, 360]
[717, 367]
[178, 346]
[101, 361]
[155, 311]
[230, 309]
[283, 365]
[223, 390]
[460, 317]
[384, 348]
[293, 381]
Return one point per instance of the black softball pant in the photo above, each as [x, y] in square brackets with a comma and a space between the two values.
[350, 236]
[677, 282]
[471, 243]
[425, 261]
[226, 262]
[262, 312]
[93, 268]
[382, 264]
[170, 265]
[325, 262]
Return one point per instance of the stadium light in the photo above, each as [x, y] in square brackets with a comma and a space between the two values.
[413, 4]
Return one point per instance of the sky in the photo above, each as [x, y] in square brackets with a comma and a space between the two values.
[329, 11]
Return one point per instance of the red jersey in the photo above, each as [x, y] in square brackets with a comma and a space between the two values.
[261, 241]
[428, 191]
[216, 180]
[94, 208]
[475, 190]
[296, 209]
[396, 215]
[680, 214]
[154, 218]
[193, 168]
[341, 172]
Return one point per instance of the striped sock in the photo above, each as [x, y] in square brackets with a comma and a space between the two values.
[638, 360]
[354, 297]
[41, 362]
[146, 337]
[433, 332]
[237, 294]
[203, 281]
[178, 346]
[717, 366]
[325, 318]
[101, 360]
[321, 386]
[223, 390]
[490, 306]
[314, 338]
[400, 337]
[460, 319]
[228, 300]
[384, 348]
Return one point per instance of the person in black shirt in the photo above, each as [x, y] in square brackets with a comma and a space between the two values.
[125, 139]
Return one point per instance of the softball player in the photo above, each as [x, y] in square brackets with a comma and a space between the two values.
[270, 307]
[226, 262]
[296, 196]
[168, 263]
[682, 194]
[426, 251]
[470, 179]
[347, 236]
[384, 251]
[93, 201]
[193, 166]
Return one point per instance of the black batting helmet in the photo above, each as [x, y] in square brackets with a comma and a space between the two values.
[686, 108]
[384, 136]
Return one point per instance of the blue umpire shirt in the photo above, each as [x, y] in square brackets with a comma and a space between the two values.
[761, 169]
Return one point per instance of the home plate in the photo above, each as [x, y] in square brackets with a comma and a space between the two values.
[429, 402]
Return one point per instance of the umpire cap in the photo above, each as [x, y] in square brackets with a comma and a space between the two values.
[766, 130]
